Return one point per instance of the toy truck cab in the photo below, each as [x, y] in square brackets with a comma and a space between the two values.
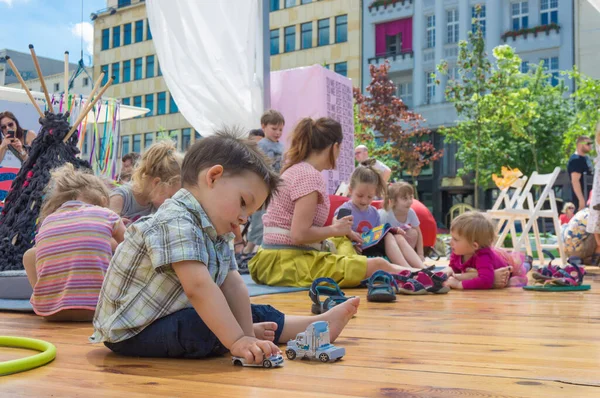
[314, 343]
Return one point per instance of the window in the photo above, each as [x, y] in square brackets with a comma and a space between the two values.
[148, 32]
[139, 31]
[123, 3]
[126, 101]
[105, 39]
[126, 71]
[323, 28]
[159, 71]
[393, 44]
[274, 5]
[341, 68]
[149, 66]
[137, 143]
[137, 68]
[126, 34]
[341, 28]
[453, 73]
[549, 12]
[116, 73]
[290, 38]
[172, 105]
[137, 101]
[275, 41]
[186, 138]
[116, 36]
[148, 140]
[104, 68]
[430, 32]
[430, 88]
[306, 35]
[150, 104]
[86, 82]
[479, 20]
[174, 136]
[125, 144]
[290, 3]
[161, 103]
[519, 12]
[56, 87]
[452, 21]
[551, 66]
[524, 67]
[405, 92]
[305, 1]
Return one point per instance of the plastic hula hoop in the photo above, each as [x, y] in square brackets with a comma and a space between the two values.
[47, 354]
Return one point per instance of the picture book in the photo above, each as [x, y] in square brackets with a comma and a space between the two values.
[374, 236]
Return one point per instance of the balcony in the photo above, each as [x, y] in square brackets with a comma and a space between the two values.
[450, 51]
[532, 39]
[399, 61]
[382, 10]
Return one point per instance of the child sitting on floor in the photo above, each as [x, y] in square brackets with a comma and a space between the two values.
[155, 179]
[173, 289]
[73, 246]
[474, 260]
[365, 184]
[398, 213]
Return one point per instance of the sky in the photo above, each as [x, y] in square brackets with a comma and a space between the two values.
[52, 26]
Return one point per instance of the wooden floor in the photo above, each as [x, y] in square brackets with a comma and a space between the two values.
[508, 343]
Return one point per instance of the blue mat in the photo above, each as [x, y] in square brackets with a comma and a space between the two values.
[23, 305]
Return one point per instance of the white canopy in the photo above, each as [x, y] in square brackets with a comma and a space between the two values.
[20, 96]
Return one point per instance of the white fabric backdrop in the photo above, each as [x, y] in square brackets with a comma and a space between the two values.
[210, 54]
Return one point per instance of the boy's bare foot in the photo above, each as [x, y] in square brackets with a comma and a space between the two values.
[339, 316]
[265, 330]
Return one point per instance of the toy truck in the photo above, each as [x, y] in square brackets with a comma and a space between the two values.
[314, 343]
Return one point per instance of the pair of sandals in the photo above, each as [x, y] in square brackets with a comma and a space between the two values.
[555, 278]
[328, 288]
[383, 286]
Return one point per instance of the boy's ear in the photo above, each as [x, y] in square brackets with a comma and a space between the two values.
[213, 174]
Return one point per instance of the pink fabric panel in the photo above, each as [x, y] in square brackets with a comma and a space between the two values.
[393, 28]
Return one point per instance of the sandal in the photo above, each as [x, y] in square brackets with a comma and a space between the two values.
[382, 287]
[433, 283]
[333, 291]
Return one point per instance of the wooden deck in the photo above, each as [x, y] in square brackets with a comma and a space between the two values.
[508, 343]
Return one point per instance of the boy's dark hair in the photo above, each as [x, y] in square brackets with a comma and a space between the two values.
[236, 155]
[256, 133]
[272, 117]
[133, 156]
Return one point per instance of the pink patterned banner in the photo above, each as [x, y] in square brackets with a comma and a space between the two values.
[315, 91]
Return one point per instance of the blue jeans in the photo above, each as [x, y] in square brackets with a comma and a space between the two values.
[183, 334]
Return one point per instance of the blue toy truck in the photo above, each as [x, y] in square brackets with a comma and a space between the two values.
[314, 343]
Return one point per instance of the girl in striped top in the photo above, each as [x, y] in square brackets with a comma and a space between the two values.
[73, 246]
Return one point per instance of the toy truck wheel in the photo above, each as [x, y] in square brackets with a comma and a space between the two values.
[324, 357]
[291, 354]
[267, 364]
[237, 362]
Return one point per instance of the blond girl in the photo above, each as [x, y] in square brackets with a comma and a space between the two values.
[73, 246]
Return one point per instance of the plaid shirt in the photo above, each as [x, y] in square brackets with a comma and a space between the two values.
[140, 285]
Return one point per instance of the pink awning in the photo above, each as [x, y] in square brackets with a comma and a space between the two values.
[392, 28]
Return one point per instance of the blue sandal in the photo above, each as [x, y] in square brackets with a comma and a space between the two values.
[381, 287]
[333, 291]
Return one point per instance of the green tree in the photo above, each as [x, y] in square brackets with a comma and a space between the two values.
[586, 104]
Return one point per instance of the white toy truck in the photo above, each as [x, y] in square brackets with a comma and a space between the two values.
[314, 343]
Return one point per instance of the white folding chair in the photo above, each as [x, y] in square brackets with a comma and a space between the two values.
[529, 215]
[507, 199]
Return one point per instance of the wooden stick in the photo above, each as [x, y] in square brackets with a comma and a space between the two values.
[39, 72]
[88, 108]
[66, 96]
[16, 72]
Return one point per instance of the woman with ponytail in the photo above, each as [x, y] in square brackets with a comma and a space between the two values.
[295, 250]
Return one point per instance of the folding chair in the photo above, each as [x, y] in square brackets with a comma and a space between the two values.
[529, 215]
[506, 200]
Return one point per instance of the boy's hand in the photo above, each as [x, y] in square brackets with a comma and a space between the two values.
[253, 350]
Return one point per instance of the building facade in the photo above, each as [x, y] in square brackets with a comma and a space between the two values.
[56, 83]
[587, 37]
[24, 63]
[308, 32]
[416, 35]
[123, 48]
